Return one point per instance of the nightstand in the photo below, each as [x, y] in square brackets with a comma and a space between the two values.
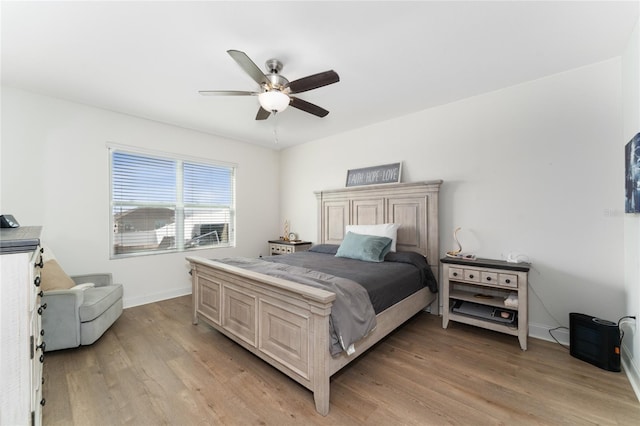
[474, 292]
[286, 247]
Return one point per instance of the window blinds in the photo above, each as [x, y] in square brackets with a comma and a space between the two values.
[169, 204]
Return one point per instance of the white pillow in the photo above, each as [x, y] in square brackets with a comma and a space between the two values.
[83, 286]
[382, 230]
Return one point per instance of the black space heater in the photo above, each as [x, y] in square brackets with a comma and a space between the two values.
[595, 341]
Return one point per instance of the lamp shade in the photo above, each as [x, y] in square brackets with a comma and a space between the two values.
[273, 100]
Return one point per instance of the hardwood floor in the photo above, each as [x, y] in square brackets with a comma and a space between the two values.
[154, 367]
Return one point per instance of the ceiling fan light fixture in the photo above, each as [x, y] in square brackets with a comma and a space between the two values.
[273, 100]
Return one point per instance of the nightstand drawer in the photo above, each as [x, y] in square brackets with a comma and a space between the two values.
[280, 249]
[456, 273]
[472, 275]
[489, 277]
[508, 280]
[285, 247]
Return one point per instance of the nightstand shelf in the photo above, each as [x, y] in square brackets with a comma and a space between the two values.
[486, 283]
[498, 302]
[285, 247]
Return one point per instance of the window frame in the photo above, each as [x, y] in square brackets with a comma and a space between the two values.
[179, 206]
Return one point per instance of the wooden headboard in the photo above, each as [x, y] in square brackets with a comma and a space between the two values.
[412, 205]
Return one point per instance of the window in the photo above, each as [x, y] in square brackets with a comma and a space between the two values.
[161, 204]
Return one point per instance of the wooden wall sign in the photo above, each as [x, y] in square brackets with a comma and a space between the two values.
[387, 173]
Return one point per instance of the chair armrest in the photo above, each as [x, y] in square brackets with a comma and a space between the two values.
[61, 318]
[99, 280]
[63, 300]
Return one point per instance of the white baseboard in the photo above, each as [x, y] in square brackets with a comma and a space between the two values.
[540, 331]
[156, 297]
[631, 369]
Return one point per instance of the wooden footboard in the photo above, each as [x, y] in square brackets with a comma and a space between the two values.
[284, 323]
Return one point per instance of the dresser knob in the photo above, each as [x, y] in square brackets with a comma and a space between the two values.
[36, 282]
[42, 358]
[41, 264]
[42, 308]
[43, 401]
[41, 293]
[455, 274]
[508, 281]
[41, 346]
[42, 332]
[471, 276]
[488, 278]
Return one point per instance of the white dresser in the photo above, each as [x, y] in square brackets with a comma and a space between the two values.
[21, 334]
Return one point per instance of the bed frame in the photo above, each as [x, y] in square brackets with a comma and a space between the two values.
[286, 323]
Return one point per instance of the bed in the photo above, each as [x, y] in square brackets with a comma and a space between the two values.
[286, 323]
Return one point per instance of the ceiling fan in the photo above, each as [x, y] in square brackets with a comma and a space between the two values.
[275, 90]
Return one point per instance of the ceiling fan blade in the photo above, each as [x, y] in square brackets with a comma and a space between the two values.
[308, 107]
[226, 93]
[314, 81]
[263, 114]
[249, 66]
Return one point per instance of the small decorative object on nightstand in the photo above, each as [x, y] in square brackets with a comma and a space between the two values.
[286, 247]
[487, 293]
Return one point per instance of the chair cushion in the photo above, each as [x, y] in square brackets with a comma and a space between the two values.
[97, 300]
[90, 331]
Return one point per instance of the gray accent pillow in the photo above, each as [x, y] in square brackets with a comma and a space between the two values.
[325, 248]
[369, 248]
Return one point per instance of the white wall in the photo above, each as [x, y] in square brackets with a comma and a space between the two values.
[631, 126]
[55, 173]
[534, 169]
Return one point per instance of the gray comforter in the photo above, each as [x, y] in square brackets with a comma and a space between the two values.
[352, 315]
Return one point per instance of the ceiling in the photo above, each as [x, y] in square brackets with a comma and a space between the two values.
[149, 59]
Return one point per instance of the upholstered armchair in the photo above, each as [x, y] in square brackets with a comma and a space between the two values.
[78, 309]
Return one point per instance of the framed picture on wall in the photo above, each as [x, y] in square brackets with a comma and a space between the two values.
[632, 175]
[387, 173]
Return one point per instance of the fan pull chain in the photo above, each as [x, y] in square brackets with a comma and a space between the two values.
[275, 127]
